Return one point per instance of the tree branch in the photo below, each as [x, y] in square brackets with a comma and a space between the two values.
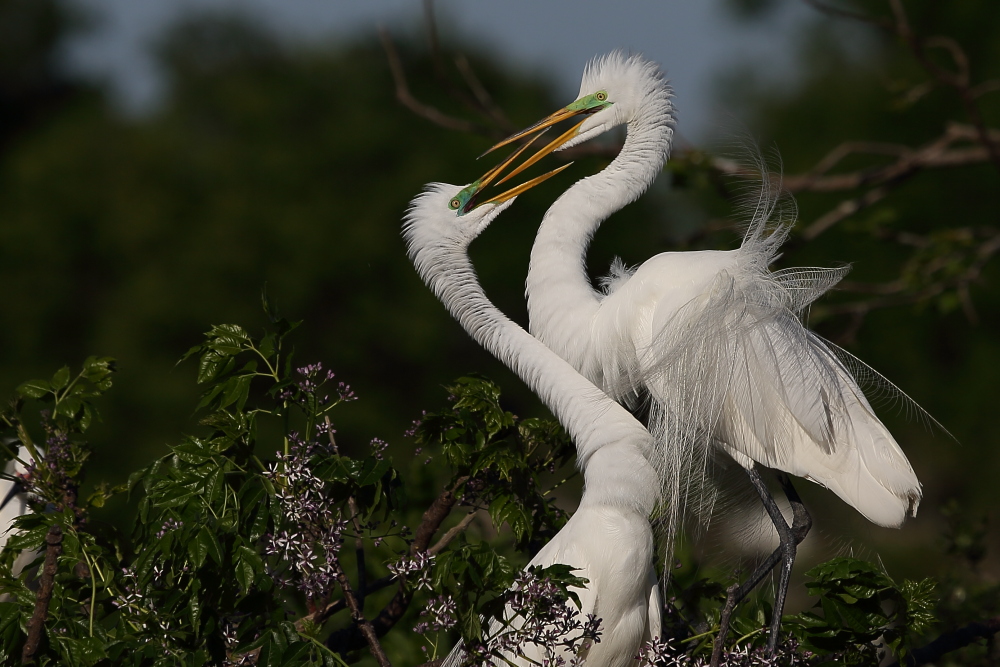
[406, 98]
[359, 548]
[360, 622]
[350, 638]
[452, 533]
[321, 615]
[951, 641]
[53, 540]
[848, 14]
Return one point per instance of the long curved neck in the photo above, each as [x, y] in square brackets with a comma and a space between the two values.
[561, 299]
[605, 433]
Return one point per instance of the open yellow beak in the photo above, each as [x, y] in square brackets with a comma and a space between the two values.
[524, 187]
[543, 124]
[493, 173]
[585, 105]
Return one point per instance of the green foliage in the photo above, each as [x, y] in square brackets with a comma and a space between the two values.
[861, 613]
[236, 547]
[236, 554]
[499, 460]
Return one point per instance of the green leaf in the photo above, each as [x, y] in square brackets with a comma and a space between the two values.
[209, 396]
[204, 543]
[198, 550]
[86, 417]
[97, 369]
[267, 346]
[372, 471]
[34, 388]
[248, 565]
[79, 652]
[61, 378]
[70, 406]
[193, 451]
[236, 390]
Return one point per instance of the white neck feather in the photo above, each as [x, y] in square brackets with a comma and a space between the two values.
[604, 432]
[561, 298]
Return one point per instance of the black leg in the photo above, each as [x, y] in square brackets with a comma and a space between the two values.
[789, 538]
[15, 488]
[801, 523]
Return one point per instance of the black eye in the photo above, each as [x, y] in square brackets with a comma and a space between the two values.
[602, 96]
[455, 203]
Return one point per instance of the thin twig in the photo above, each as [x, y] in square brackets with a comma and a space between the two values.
[360, 622]
[985, 87]
[848, 14]
[900, 292]
[951, 641]
[843, 210]
[359, 549]
[329, 610]
[406, 98]
[959, 81]
[483, 97]
[53, 540]
[452, 533]
[348, 639]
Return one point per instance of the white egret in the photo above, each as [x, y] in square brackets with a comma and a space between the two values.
[13, 503]
[608, 538]
[713, 338]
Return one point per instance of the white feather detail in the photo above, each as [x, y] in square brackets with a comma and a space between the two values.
[713, 339]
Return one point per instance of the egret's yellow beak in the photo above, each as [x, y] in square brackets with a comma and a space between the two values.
[545, 123]
[585, 105]
[524, 187]
[472, 192]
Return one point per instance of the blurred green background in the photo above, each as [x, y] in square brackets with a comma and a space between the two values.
[290, 167]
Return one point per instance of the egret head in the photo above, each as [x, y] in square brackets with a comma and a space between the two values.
[445, 214]
[455, 215]
[616, 90]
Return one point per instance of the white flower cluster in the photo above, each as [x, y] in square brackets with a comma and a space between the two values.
[311, 531]
[541, 621]
[670, 653]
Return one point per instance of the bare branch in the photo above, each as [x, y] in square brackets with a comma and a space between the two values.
[435, 515]
[848, 14]
[957, 80]
[406, 98]
[36, 626]
[452, 533]
[363, 625]
[480, 101]
[483, 96]
[991, 86]
[951, 641]
[329, 610]
[900, 292]
[843, 210]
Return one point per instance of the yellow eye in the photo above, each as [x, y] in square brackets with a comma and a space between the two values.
[602, 96]
[455, 203]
